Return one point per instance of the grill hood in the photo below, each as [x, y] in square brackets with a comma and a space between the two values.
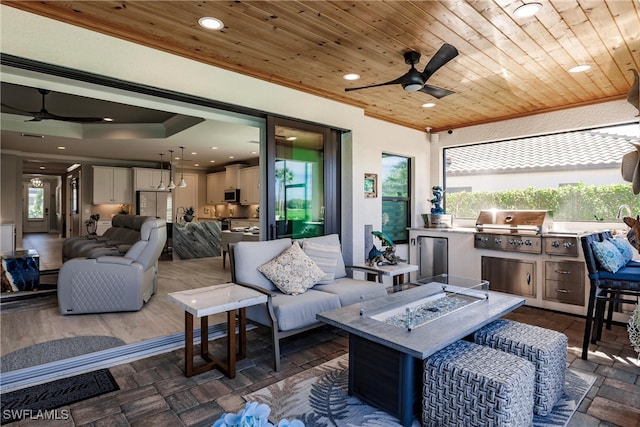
[513, 221]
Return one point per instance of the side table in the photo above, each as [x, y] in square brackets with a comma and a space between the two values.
[397, 272]
[202, 303]
[20, 270]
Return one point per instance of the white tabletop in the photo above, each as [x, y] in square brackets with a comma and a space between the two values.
[216, 299]
[391, 270]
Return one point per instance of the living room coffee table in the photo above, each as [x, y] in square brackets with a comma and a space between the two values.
[390, 336]
[202, 303]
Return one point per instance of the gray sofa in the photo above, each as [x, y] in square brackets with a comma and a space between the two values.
[124, 232]
[288, 315]
[114, 283]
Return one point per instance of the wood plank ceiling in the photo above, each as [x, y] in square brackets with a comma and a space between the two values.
[507, 67]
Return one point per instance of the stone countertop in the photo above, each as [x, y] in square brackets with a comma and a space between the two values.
[445, 230]
[197, 239]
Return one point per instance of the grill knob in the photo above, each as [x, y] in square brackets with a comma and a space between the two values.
[568, 245]
[555, 244]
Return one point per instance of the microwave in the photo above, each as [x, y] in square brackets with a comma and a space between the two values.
[232, 196]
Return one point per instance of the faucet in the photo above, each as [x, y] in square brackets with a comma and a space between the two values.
[625, 208]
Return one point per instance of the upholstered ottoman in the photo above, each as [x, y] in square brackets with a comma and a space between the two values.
[545, 348]
[467, 384]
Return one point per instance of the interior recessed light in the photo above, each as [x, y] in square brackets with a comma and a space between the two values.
[254, 152]
[580, 68]
[527, 10]
[42, 168]
[210, 23]
[62, 148]
[214, 148]
[291, 138]
[196, 164]
[193, 153]
[107, 119]
[429, 105]
[232, 157]
[351, 76]
[212, 161]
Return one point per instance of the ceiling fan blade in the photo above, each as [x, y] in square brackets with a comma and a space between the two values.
[17, 109]
[445, 54]
[74, 119]
[392, 82]
[435, 91]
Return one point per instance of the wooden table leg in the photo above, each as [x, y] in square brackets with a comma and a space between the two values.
[242, 331]
[231, 344]
[188, 344]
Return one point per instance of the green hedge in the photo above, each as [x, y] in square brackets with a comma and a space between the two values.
[567, 203]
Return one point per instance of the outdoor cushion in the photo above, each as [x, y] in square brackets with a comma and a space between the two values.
[608, 255]
[249, 255]
[330, 239]
[624, 247]
[299, 311]
[351, 291]
[325, 257]
[292, 271]
[629, 274]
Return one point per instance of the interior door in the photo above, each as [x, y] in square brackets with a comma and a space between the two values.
[36, 208]
[303, 179]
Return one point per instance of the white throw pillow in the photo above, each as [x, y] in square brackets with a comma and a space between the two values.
[293, 272]
[325, 257]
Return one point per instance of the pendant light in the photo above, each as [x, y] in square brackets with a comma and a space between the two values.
[172, 184]
[161, 186]
[36, 183]
[182, 183]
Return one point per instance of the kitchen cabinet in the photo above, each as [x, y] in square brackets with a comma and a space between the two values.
[215, 188]
[564, 282]
[513, 276]
[232, 176]
[250, 186]
[147, 179]
[112, 185]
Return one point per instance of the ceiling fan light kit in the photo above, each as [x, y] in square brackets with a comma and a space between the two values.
[527, 10]
[414, 80]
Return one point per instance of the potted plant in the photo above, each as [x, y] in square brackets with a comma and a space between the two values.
[92, 224]
[188, 214]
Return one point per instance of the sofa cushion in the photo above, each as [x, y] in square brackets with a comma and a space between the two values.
[299, 311]
[625, 274]
[325, 257]
[351, 291]
[292, 271]
[247, 256]
[330, 239]
[608, 255]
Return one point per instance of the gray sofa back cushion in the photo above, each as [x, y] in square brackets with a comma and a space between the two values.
[249, 255]
[330, 239]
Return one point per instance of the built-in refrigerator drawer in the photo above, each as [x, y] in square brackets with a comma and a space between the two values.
[433, 255]
[510, 275]
[564, 282]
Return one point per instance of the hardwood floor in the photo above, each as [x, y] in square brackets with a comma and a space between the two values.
[157, 318]
[154, 390]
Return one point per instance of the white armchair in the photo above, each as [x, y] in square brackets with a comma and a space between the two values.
[114, 283]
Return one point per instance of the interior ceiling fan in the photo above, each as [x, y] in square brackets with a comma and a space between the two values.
[414, 80]
[43, 114]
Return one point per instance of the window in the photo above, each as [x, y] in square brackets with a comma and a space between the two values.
[396, 201]
[36, 203]
[574, 175]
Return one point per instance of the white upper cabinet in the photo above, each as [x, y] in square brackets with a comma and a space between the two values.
[112, 185]
[250, 185]
[232, 176]
[147, 179]
[215, 188]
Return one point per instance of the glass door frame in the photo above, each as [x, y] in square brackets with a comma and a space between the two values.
[332, 191]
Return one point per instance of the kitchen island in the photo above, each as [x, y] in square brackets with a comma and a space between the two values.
[198, 239]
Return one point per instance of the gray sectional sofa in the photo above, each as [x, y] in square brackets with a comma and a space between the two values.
[285, 314]
[124, 232]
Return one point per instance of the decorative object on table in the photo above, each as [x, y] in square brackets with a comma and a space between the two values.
[633, 327]
[633, 235]
[188, 214]
[633, 97]
[437, 218]
[92, 224]
[124, 210]
[388, 256]
[370, 185]
[254, 414]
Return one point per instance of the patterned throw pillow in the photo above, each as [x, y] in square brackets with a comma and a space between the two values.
[608, 255]
[624, 247]
[325, 257]
[293, 272]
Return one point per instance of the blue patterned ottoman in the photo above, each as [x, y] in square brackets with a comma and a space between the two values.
[545, 348]
[470, 385]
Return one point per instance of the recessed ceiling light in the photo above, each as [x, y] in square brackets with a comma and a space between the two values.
[196, 164]
[527, 10]
[212, 161]
[42, 168]
[214, 148]
[254, 152]
[351, 76]
[291, 138]
[62, 148]
[193, 153]
[210, 23]
[232, 157]
[107, 119]
[429, 105]
[580, 68]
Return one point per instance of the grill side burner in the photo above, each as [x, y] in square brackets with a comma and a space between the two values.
[508, 242]
[564, 245]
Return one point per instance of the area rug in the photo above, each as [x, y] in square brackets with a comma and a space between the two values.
[39, 401]
[318, 397]
[55, 350]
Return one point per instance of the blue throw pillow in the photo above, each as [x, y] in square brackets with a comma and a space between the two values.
[608, 255]
[624, 247]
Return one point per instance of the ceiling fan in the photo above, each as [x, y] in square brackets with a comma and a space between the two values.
[43, 114]
[414, 80]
